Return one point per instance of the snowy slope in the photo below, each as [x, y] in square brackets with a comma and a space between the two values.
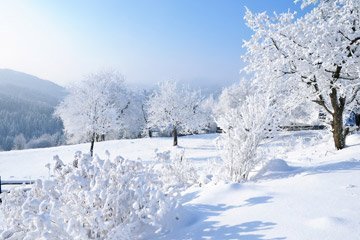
[308, 191]
[311, 205]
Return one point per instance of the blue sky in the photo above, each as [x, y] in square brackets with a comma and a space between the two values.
[196, 41]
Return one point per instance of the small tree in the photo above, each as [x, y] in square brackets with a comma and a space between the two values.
[19, 142]
[175, 108]
[317, 55]
[94, 107]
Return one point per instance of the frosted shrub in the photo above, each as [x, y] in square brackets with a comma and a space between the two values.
[92, 199]
[244, 128]
[176, 172]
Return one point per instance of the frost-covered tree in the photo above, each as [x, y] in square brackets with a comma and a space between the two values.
[130, 117]
[317, 55]
[231, 97]
[177, 109]
[94, 107]
[145, 97]
[208, 108]
[19, 142]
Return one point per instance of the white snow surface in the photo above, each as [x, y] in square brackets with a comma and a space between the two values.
[305, 190]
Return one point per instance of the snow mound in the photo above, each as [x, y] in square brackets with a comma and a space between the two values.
[277, 165]
[274, 168]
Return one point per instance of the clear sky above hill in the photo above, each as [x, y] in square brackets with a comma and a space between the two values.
[147, 40]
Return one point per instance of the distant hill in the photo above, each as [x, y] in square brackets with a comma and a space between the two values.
[26, 111]
[23, 85]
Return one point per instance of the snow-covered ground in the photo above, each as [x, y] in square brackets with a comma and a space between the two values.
[30, 163]
[306, 191]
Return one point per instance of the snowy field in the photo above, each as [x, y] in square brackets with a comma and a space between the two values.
[30, 164]
[306, 191]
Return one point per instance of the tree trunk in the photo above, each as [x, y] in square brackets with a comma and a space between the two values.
[338, 105]
[338, 130]
[92, 145]
[150, 133]
[175, 135]
[339, 134]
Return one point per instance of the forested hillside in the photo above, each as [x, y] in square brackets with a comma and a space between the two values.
[26, 111]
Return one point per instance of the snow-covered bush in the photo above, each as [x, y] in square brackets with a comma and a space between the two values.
[90, 199]
[45, 140]
[176, 172]
[245, 124]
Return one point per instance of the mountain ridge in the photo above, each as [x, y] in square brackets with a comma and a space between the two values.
[19, 81]
[27, 104]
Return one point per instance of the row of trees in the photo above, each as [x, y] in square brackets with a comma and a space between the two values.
[298, 67]
[103, 107]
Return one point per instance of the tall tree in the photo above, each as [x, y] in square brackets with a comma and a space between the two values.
[175, 108]
[317, 55]
[94, 107]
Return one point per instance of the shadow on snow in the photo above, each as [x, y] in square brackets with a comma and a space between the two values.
[196, 223]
